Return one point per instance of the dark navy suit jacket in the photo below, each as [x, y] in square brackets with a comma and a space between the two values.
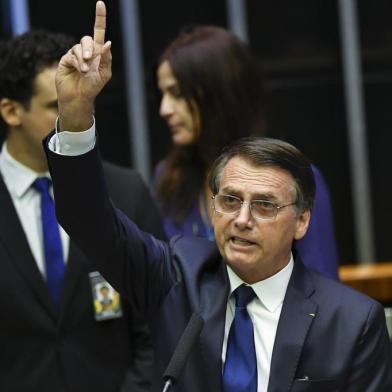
[70, 351]
[329, 337]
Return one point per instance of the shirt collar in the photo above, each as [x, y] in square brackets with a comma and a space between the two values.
[17, 176]
[270, 291]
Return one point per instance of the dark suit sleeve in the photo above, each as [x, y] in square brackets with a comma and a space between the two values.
[129, 193]
[148, 214]
[134, 262]
[371, 369]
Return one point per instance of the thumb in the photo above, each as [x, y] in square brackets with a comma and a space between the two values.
[106, 60]
[67, 64]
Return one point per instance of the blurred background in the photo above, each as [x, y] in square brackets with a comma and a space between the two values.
[302, 46]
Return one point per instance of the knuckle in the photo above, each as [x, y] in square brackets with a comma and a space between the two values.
[76, 48]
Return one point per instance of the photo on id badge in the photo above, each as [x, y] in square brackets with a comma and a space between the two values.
[106, 300]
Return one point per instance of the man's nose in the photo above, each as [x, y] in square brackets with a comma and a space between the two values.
[244, 217]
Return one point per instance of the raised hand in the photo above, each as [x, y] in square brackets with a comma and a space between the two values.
[81, 74]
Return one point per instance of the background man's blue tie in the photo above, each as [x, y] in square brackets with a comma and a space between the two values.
[52, 242]
[240, 371]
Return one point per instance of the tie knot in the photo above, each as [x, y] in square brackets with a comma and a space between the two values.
[243, 295]
[42, 185]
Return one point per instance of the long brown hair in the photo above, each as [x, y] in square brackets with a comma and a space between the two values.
[220, 78]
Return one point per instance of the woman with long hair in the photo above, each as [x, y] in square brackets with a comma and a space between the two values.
[212, 95]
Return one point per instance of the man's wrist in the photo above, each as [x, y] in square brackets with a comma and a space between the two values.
[76, 116]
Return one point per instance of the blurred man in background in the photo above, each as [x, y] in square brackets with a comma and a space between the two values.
[51, 337]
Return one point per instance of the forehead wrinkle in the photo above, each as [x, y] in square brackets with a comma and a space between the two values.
[241, 176]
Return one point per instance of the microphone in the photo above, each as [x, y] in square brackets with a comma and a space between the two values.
[181, 353]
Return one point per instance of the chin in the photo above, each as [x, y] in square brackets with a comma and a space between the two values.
[181, 142]
[239, 262]
[181, 138]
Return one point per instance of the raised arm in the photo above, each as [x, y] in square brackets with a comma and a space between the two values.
[134, 262]
[82, 73]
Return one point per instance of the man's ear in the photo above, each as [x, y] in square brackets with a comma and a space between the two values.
[11, 112]
[302, 224]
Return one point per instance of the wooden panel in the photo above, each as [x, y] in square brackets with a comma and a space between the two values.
[374, 280]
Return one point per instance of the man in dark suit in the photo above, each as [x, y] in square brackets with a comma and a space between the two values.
[73, 348]
[270, 324]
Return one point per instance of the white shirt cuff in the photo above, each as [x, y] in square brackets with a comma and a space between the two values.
[73, 143]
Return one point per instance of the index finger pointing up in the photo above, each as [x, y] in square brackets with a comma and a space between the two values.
[100, 23]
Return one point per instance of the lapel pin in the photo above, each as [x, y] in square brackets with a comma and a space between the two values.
[312, 314]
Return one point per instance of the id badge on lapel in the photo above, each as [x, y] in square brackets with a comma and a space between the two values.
[106, 300]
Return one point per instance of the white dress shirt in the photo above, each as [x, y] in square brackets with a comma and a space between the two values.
[19, 178]
[263, 310]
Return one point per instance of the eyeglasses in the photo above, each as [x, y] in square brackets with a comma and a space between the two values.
[260, 209]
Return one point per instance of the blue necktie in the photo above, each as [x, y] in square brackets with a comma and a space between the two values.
[240, 371]
[53, 248]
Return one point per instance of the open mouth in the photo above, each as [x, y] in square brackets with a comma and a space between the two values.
[241, 241]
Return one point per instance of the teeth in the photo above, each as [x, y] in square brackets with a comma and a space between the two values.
[240, 241]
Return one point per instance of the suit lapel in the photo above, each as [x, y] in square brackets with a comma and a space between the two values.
[206, 277]
[298, 312]
[14, 240]
[214, 295]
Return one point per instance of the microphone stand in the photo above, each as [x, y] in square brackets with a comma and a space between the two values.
[183, 348]
[168, 385]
